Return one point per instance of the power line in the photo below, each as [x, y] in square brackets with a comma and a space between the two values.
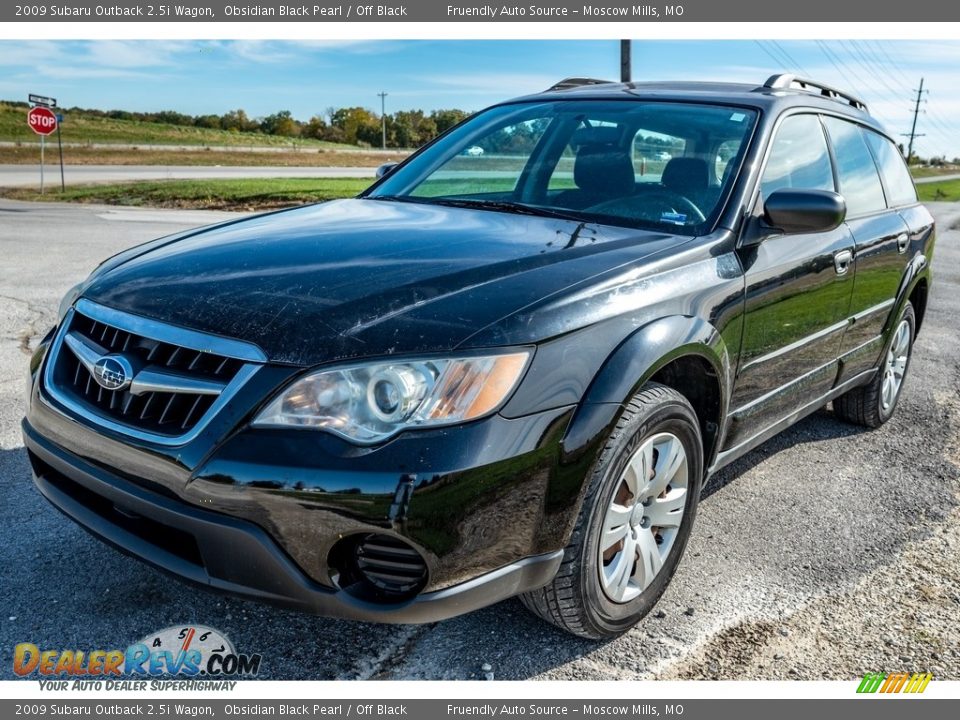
[891, 64]
[779, 61]
[940, 123]
[895, 66]
[939, 129]
[872, 68]
[853, 67]
[883, 65]
[790, 57]
[836, 64]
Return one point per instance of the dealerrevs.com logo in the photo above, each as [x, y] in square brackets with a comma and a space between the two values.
[184, 651]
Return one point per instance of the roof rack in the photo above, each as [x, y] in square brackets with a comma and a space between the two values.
[575, 82]
[785, 81]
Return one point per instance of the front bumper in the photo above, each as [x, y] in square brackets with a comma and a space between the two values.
[236, 556]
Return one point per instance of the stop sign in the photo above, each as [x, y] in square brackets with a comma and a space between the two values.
[42, 120]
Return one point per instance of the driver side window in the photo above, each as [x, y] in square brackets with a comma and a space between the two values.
[798, 158]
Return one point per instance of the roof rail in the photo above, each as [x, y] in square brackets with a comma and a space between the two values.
[785, 81]
[575, 82]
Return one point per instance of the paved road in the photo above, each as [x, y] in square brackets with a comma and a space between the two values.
[936, 178]
[28, 175]
[816, 512]
[287, 148]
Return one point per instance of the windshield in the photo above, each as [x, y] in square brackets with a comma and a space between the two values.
[662, 165]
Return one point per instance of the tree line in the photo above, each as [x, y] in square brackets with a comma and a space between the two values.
[350, 125]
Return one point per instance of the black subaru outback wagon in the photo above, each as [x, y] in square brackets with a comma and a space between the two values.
[494, 373]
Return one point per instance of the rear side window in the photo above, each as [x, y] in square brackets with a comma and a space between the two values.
[799, 158]
[859, 179]
[653, 150]
[726, 154]
[896, 177]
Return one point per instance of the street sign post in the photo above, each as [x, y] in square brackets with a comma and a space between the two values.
[42, 100]
[43, 122]
[63, 183]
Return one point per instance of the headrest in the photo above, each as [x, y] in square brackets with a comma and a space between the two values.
[604, 170]
[686, 174]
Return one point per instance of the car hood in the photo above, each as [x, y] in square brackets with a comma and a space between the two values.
[355, 278]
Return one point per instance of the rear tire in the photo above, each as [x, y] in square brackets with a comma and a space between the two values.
[871, 405]
[633, 526]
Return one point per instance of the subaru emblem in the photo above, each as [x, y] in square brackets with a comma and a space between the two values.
[113, 372]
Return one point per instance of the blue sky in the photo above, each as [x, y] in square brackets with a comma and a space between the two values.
[306, 77]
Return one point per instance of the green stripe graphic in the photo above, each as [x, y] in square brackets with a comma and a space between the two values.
[871, 682]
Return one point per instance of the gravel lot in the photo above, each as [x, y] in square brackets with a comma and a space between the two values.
[826, 553]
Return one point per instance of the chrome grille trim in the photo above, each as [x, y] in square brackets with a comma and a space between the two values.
[149, 379]
[155, 330]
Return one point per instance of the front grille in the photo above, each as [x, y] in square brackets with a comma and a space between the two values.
[159, 412]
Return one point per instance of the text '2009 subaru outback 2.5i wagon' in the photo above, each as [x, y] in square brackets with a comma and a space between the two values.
[492, 374]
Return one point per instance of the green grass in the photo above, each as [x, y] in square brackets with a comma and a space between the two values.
[29, 154]
[944, 191]
[247, 194]
[922, 172]
[78, 128]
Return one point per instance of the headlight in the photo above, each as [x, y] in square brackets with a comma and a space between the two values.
[368, 403]
[68, 300]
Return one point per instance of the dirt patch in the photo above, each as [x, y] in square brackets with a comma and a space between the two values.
[901, 617]
[304, 157]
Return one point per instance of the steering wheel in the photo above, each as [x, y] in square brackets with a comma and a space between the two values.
[650, 206]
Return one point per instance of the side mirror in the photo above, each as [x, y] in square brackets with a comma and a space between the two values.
[385, 169]
[804, 211]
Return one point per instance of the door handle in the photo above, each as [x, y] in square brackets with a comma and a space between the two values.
[902, 241]
[841, 261]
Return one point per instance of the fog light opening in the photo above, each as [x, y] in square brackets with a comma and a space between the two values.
[377, 568]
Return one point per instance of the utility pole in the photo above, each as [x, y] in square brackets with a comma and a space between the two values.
[625, 61]
[913, 130]
[383, 116]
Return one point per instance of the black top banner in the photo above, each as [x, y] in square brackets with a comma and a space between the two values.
[445, 11]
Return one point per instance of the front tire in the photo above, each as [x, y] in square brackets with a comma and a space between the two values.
[871, 405]
[634, 523]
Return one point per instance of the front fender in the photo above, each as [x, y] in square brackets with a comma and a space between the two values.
[633, 363]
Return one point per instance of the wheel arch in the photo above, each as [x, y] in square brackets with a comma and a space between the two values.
[914, 287]
[677, 349]
[685, 353]
[918, 298]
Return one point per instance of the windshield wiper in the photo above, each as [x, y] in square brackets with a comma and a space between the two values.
[391, 198]
[507, 206]
[496, 205]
